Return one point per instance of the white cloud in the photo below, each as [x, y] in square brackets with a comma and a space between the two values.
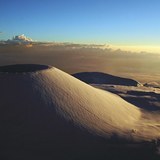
[20, 39]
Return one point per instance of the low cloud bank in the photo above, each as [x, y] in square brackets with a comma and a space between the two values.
[24, 40]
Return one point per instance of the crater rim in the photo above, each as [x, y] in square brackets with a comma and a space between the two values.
[23, 68]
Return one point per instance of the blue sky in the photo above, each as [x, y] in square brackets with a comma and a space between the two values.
[118, 22]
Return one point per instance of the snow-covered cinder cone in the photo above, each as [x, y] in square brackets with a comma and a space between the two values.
[41, 105]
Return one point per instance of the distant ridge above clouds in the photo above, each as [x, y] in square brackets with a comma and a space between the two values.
[103, 78]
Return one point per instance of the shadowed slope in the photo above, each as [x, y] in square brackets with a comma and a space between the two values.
[103, 78]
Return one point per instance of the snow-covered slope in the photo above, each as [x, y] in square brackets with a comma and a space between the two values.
[49, 98]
